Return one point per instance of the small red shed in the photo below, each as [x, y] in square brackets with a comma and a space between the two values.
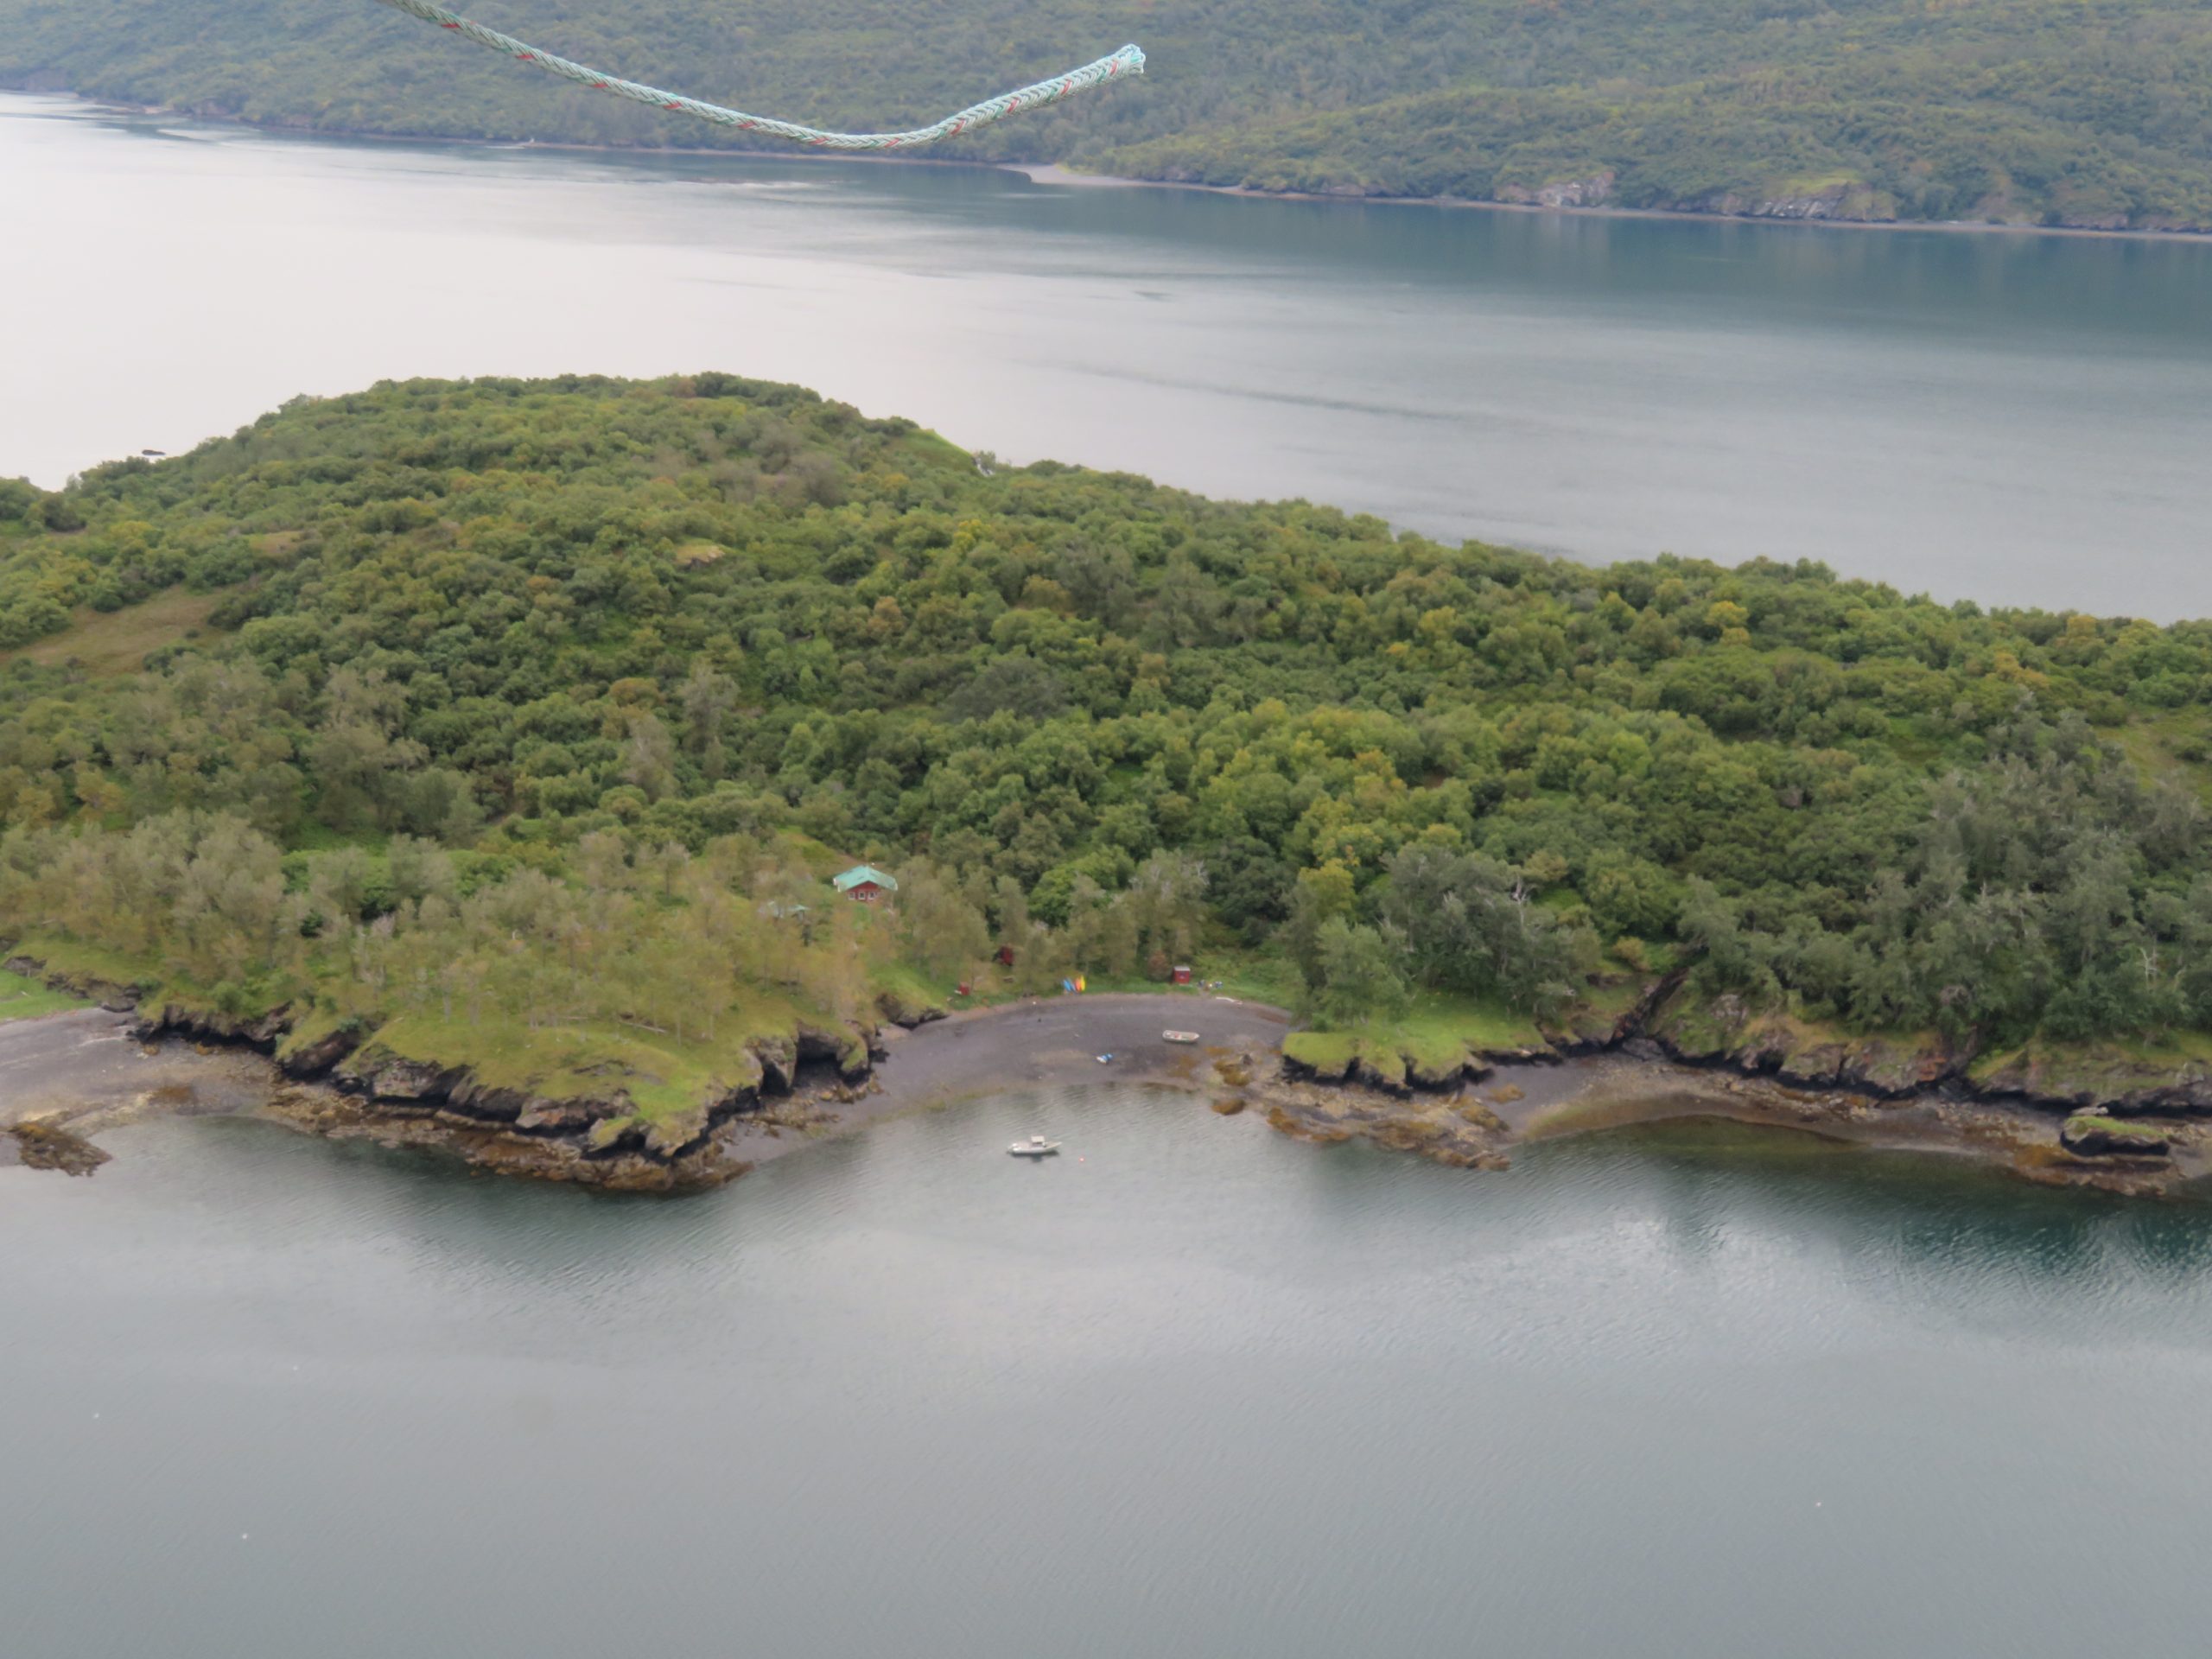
[864, 883]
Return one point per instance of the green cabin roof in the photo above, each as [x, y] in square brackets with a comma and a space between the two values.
[860, 874]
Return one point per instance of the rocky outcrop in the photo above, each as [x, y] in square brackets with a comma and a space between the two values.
[1382, 1069]
[599, 1139]
[616, 1155]
[1318, 1069]
[49, 1146]
[1594, 190]
[1454, 1136]
[581, 1137]
[1725, 1031]
[1446, 1074]
[393, 1080]
[1850, 201]
[2093, 1134]
[320, 1057]
[906, 1012]
[2114, 1082]
[2100, 1085]
[849, 1050]
[208, 1025]
[116, 999]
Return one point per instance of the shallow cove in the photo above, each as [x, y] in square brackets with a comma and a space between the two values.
[1193, 1389]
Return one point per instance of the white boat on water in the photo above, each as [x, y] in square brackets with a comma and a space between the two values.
[1180, 1036]
[1035, 1147]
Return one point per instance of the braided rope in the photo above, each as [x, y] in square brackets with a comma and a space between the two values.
[1129, 60]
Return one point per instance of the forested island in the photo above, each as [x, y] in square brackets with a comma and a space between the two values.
[499, 740]
[2095, 115]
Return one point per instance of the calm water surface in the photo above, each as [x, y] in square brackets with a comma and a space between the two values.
[2015, 419]
[1192, 1390]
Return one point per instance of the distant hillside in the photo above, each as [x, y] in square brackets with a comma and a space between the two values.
[2080, 113]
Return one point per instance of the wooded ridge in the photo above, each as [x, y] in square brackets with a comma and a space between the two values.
[505, 708]
[2071, 112]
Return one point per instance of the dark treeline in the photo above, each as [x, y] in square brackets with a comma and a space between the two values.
[2097, 114]
[504, 621]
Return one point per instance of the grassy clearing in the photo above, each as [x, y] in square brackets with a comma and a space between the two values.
[2171, 745]
[1439, 1035]
[821, 861]
[1250, 977]
[26, 999]
[570, 1062]
[1437, 1018]
[1328, 1053]
[2171, 1049]
[665, 1075]
[2116, 1128]
[118, 642]
[88, 961]
[1611, 1001]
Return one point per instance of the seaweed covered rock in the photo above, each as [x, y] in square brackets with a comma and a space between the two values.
[49, 1146]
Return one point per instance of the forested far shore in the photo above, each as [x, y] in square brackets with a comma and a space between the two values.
[2093, 115]
[458, 713]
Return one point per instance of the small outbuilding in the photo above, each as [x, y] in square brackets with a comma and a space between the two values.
[1180, 975]
[864, 883]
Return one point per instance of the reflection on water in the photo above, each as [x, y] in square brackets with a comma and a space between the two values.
[1197, 1389]
[1913, 1225]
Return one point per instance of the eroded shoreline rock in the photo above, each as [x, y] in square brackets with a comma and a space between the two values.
[2095, 1134]
[49, 1146]
[1757, 1068]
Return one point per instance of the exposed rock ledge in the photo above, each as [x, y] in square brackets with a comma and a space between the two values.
[600, 1139]
[1798, 1074]
[2065, 1116]
[49, 1146]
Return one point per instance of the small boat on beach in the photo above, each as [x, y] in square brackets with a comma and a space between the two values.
[1180, 1036]
[1035, 1147]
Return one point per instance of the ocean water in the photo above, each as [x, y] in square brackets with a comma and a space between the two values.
[2014, 419]
[1191, 1389]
